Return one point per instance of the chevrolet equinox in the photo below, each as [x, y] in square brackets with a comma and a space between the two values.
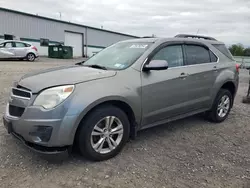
[131, 85]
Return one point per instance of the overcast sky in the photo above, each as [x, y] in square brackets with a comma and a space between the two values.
[227, 20]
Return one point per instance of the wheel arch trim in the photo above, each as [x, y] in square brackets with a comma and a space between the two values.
[97, 103]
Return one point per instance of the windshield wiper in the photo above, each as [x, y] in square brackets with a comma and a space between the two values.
[80, 63]
[96, 66]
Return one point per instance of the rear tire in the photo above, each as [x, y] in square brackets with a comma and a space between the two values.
[221, 107]
[93, 130]
[31, 57]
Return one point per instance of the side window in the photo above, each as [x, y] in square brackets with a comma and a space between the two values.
[197, 54]
[172, 54]
[20, 45]
[2, 45]
[8, 37]
[44, 42]
[213, 57]
[8, 45]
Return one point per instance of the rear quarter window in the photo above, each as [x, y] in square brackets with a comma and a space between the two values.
[213, 57]
[223, 49]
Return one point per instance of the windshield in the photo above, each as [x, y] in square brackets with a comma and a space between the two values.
[119, 56]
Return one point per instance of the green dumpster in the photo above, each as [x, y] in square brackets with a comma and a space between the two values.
[60, 51]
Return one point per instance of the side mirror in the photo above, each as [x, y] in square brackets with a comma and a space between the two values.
[156, 65]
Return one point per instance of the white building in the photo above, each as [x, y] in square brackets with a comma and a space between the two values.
[43, 31]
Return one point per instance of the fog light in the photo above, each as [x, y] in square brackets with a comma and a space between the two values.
[41, 133]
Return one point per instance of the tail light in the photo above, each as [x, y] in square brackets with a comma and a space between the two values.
[34, 48]
[237, 67]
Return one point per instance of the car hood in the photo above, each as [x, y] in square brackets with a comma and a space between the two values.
[61, 76]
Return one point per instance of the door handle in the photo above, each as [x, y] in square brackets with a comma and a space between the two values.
[183, 75]
[215, 68]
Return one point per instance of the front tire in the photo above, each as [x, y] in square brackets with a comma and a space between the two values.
[221, 107]
[31, 57]
[103, 133]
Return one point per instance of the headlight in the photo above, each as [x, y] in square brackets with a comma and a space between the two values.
[52, 97]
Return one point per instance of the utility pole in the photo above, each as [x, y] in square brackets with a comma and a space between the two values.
[60, 14]
[246, 99]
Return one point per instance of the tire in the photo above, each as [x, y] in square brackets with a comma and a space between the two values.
[31, 57]
[86, 141]
[215, 114]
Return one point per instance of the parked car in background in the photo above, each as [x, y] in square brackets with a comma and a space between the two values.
[129, 86]
[17, 50]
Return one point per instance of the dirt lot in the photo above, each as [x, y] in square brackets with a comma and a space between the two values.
[186, 153]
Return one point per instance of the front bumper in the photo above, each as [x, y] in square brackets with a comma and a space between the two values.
[61, 136]
[60, 152]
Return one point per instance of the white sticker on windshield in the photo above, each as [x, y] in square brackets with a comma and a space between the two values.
[138, 46]
[118, 65]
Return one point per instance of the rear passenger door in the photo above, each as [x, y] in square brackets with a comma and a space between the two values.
[201, 68]
[20, 49]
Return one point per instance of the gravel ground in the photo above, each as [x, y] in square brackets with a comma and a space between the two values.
[187, 153]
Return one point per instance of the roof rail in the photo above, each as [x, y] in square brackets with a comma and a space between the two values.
[148, 37]
[194, 36]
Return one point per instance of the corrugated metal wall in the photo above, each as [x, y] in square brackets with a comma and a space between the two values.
[31, 27]
[102, 38]
[26, 26]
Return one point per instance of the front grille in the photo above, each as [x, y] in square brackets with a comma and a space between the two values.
[16, 111]
[21, 93]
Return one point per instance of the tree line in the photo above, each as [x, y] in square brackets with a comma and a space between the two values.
[239, 50]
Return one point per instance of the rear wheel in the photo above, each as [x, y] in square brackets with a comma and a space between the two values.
[103, 133]
[221, 106]
[31, 57]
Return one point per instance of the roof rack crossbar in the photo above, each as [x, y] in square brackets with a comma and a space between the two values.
[194, 36]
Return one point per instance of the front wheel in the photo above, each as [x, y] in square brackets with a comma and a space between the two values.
[221, 106]
[103, 133]
[31, 57]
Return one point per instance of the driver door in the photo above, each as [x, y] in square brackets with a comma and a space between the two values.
[164, 92]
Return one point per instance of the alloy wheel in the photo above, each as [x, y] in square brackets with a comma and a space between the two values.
[31, 57]
[107, 134]
[223, 106]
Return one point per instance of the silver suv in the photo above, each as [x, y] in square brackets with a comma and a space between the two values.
[132, 85]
